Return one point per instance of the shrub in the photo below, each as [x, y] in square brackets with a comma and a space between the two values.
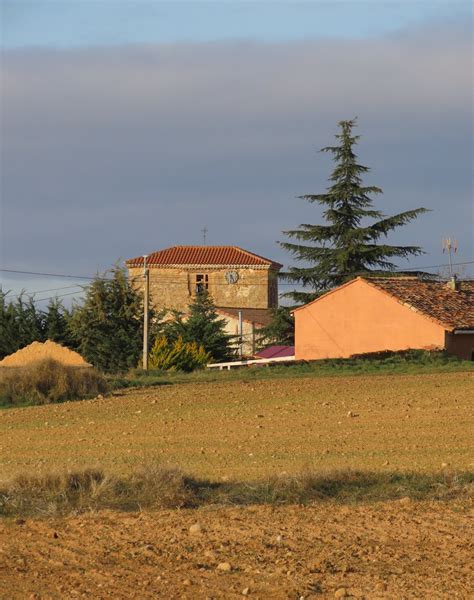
[49, 381]
[177, 355]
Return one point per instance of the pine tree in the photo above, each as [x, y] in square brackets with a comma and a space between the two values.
[108, 326]
[346, 246]
[280, 330]
[203, 326]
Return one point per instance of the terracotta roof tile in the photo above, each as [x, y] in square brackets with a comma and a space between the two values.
[452, 308]
[203, 255]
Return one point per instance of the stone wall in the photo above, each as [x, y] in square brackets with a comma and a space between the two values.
[174, 288]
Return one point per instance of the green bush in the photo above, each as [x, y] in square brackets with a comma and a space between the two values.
[49, 381]
[177, 355]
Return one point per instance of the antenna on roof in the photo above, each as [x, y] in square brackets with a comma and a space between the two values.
[204, 234]
[450, 245]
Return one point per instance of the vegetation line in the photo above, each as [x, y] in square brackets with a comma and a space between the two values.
[154, 486]
[49, 382]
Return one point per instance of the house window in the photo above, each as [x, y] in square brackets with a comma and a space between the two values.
[202, 282]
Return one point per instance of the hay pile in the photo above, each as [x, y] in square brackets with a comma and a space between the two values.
[38, 351]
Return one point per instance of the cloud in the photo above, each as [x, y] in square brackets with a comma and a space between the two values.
[108, 153]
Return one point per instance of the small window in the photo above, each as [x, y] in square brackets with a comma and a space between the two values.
[202, 283]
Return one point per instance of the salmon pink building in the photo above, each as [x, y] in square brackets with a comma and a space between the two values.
[387, 313]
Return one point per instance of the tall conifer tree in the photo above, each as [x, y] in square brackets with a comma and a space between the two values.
[346, 246]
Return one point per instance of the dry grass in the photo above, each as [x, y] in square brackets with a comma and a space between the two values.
[49, 381]
[155, 486]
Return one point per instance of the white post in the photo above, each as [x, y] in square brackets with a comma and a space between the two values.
[241, 335]
[146, 293]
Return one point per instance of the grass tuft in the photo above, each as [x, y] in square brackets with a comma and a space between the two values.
[155, 486]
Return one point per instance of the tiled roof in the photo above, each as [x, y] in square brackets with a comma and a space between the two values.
[259, 316]
[452, 308]
[203, 255]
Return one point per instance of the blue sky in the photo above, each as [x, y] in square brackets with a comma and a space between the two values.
[82, 23]
[127, 127]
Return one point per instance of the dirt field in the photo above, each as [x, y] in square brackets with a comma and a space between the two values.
[396, 550]
[248, 430]
[392, 550]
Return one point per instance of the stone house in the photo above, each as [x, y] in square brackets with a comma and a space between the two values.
[252, 320]
[237, 280]
[387, 313]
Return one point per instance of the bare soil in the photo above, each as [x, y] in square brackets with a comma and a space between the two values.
[244, 431]
[394, 550]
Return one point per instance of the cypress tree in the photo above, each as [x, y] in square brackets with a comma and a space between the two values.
[56, 324]
[108, 326]
[346, 246]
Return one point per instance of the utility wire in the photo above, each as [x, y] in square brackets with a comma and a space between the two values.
[57, 296]
[165, 281]
[138, 277]
[30, 293]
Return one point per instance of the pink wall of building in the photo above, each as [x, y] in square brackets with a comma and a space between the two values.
[358, 318]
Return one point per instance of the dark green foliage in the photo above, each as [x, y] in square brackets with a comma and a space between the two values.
[20, 324]
[202, 326]
[9, 333]
[56, 320]
[345, 246]
[108, 326]
[280, 330]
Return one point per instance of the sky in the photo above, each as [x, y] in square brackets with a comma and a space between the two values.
[127, 127]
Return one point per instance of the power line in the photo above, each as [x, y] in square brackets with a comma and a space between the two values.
[165, 281]
[95, 277]
[57, 296]
[32, 293]
[51, 274]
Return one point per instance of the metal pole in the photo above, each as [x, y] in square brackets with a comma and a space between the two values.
[241, 336]
[146, 293]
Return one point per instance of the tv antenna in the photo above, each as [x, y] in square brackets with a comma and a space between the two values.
[450, 245]
[204, 234]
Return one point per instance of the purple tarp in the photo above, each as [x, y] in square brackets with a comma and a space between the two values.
[276, 352]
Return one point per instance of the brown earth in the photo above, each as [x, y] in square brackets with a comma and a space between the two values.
[245, 431]
[396, 550]
[38, 351]
[393, 550]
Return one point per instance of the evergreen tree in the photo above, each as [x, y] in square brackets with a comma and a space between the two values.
[281, 329]
[29, 322]
[108, 326]
[56, 324]
[20, 324]
[346, 246]
[9, 331]
[203, 326]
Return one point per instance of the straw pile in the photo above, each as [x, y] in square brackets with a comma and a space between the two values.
[38, 351]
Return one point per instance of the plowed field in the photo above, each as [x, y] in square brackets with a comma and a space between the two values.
[397, 550]
[248, 430]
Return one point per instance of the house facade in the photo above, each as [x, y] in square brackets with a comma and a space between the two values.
[377, 314]
[235, 278]
[253, 319]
